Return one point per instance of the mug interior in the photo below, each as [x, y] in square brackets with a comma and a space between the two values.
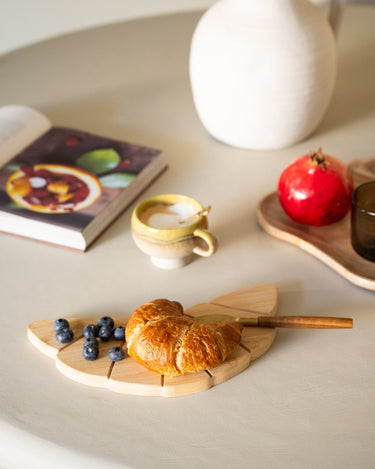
[169, 200]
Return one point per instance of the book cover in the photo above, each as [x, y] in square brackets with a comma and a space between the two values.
[70, 179]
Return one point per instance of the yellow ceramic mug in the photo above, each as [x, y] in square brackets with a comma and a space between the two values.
[171, 228]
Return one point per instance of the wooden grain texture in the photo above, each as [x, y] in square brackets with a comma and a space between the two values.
[330, 244]
[70, 362]
[260, 299]
[174, 386]
[237, 362]
[305, 322]
[257, 340]
[40, 335]
[128, 377]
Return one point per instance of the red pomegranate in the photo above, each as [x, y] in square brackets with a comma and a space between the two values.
[316, 189]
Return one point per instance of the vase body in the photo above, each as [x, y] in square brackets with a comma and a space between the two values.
[262, 72]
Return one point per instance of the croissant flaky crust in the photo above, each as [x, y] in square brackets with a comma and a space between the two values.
[163, 339]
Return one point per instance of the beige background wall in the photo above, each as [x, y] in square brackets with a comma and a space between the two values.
[24, 22]
[27, 21]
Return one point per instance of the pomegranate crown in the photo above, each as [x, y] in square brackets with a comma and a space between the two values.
[318, 158]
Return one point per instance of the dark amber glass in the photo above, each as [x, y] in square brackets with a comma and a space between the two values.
[363, 220]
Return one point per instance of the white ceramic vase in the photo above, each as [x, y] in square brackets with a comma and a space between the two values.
[262, 71]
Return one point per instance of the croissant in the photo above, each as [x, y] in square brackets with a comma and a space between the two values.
[163, 339]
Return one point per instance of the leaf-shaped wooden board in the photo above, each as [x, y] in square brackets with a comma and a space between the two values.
[128, 377]
[331, 244]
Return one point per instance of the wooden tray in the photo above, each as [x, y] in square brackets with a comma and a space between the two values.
[330, 244]
[128, 377]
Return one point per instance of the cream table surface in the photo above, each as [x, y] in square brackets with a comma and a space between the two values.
[309, 402]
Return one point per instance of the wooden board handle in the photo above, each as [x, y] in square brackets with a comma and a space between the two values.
[305, 322]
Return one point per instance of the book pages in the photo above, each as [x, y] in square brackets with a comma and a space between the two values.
[19, 126]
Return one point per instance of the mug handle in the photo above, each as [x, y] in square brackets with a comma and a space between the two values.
[210, 240]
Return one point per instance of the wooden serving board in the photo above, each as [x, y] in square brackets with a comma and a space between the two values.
[129, 377]
[331, 244]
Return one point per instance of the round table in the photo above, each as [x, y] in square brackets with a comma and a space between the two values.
[309, 401]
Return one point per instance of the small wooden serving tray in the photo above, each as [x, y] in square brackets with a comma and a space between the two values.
[331, 244]
[128, 377]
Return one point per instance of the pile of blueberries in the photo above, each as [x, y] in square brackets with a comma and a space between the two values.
[64, 334]
[103, 330]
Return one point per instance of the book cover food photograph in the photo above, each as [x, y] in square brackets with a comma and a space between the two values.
[68, 185]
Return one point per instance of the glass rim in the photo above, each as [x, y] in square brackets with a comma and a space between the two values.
[355, 201]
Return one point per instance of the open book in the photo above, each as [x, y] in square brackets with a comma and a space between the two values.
[64, 186]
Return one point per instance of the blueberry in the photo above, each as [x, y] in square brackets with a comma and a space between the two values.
[106, 321]
[59, 324]
[64, 336]
[105, 333]
[91, 342]
[119, 333]
[90, 353]
[116, 354]
[90, 331]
